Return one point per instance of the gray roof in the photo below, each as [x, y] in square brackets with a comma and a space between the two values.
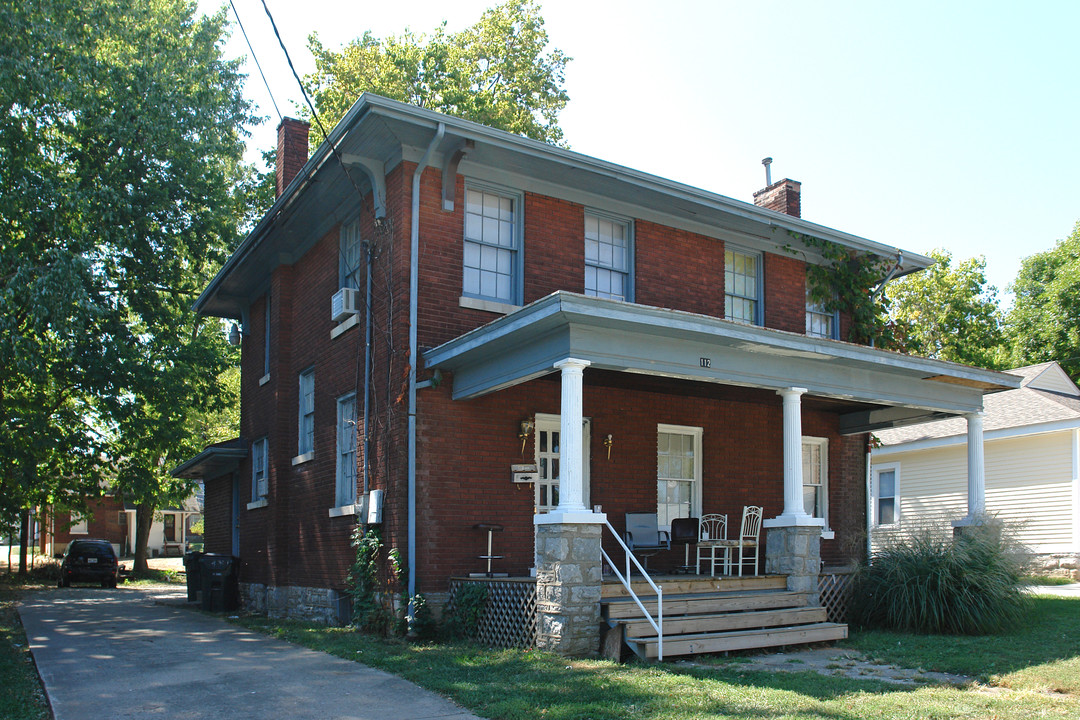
[1029, 404]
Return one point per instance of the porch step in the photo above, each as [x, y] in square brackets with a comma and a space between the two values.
[703, 603]
[694, 584]
[726, 622]
[710, 615]
[694, 644]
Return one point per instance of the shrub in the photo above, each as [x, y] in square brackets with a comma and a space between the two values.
[930, 582]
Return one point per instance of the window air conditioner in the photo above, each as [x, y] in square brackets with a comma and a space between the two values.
[345, 302]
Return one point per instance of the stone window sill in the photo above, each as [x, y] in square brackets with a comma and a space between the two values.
[338, 331]
[343, 510]
[257, 504]
[487, 305]
[301, 459]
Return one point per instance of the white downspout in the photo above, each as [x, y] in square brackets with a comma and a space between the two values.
[869, 505]
[414, 281]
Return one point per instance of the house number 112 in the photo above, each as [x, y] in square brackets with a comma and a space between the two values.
[706, 362]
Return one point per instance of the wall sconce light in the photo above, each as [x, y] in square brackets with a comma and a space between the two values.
[524, 431]
[234, 335]
[608, 442]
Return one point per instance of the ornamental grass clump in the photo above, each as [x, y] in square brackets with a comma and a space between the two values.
[932, 583]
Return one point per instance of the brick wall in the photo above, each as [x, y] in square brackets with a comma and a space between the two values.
[217, 520]
[785, 293]
[103, 522]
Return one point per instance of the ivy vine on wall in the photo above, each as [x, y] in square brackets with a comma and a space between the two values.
[845, 283]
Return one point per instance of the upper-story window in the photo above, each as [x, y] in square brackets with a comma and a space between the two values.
[607, 257]
[742, 286]
[492, 245]
[349, 256]
[306, 443]
[820, 322]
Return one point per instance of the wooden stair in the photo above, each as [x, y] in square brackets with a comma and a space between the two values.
[706, 615]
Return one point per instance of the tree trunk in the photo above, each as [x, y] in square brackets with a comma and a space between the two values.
[144, 516]
[24, 539]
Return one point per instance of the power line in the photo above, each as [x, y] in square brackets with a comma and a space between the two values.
[253, 57]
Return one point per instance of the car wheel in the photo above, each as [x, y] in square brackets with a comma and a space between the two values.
[65, 582]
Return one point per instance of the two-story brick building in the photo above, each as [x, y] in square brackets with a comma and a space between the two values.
[482, 328]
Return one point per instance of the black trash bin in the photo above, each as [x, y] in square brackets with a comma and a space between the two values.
[192, 568]
[220, 586]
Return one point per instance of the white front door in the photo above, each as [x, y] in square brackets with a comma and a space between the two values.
[548, 453]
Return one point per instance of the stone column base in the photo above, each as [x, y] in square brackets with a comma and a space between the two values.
[795, 551]
[568, 580]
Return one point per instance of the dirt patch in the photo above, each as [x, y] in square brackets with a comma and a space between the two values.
[840, 662]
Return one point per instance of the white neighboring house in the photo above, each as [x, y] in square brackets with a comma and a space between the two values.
[1031, 446]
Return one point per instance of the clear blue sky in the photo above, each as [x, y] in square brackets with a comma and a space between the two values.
[918, 124]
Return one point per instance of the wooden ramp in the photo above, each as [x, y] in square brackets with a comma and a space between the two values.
[707, 615]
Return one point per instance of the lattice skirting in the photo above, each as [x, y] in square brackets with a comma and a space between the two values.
[835, 588]
[509, 619]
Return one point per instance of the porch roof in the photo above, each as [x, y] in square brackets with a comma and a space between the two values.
[886, 389]
[214, 461]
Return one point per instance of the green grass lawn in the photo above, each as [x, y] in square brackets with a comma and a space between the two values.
[1024, 678]
[21, 695]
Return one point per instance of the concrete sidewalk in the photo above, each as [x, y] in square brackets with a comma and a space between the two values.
[132, 653]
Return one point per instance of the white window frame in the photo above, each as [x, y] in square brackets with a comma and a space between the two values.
[875, 494]
[260, 472]
[305, 440]
[514, 297]
[345, 485]
[79, 526]
[350, 255]
[823, 468]
[758, 298]
[627, 274]
[815, 311]
[697, 433]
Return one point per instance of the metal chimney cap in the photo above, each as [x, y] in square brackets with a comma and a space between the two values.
[767, 161]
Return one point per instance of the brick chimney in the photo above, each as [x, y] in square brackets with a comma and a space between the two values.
[781, 196]
[292, 151]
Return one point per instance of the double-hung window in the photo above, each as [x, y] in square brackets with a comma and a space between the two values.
[79, 525]
[820, 322]
[678, 473]
[815, 469]
[306, 441]
[259, 481]
[346, 450]
[349, 254]
[886, 506]
[742, 286]
[607, 257]
[492, 246]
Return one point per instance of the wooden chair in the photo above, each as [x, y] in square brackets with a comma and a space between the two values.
[644, 537]
[712, 532]
[747, 543]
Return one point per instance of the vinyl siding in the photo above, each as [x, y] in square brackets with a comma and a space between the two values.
[1028, 481]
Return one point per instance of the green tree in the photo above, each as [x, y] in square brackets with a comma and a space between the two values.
[1044, 322]
[495, 72]
[121, 130]
[951, 313]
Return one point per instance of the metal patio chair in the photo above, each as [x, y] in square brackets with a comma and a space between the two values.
[644, 537]
[747, 542]
[710, 548]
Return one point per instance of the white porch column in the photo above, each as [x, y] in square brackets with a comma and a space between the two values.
[793, 480]
[975, 466]
[571, 474]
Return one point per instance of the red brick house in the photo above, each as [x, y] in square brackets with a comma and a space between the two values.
[433, 306]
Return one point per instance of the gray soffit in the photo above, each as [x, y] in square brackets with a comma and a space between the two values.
[388, 132]
[211, 463]
[626, 337]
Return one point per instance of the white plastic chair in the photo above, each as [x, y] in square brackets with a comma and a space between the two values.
[712, 531]
[747, 543]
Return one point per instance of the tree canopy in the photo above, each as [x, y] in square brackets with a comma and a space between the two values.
[950, 312]
[496, 72]
[120, 148]
[1044, 322]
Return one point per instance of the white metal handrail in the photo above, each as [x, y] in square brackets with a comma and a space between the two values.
[658, 623]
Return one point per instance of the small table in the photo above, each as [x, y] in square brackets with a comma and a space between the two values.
[491, 529]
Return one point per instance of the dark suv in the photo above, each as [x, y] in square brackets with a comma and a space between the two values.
[89, 561]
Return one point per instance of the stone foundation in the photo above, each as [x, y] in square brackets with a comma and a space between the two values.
[1056, 564]
[795, 551]
[568, 584]
[321, 605]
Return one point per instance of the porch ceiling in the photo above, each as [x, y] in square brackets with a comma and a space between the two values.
[625, 337]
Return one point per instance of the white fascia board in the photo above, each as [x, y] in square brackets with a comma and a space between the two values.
[988, 436]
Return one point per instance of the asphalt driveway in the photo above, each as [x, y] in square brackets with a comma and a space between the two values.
[133, 653]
